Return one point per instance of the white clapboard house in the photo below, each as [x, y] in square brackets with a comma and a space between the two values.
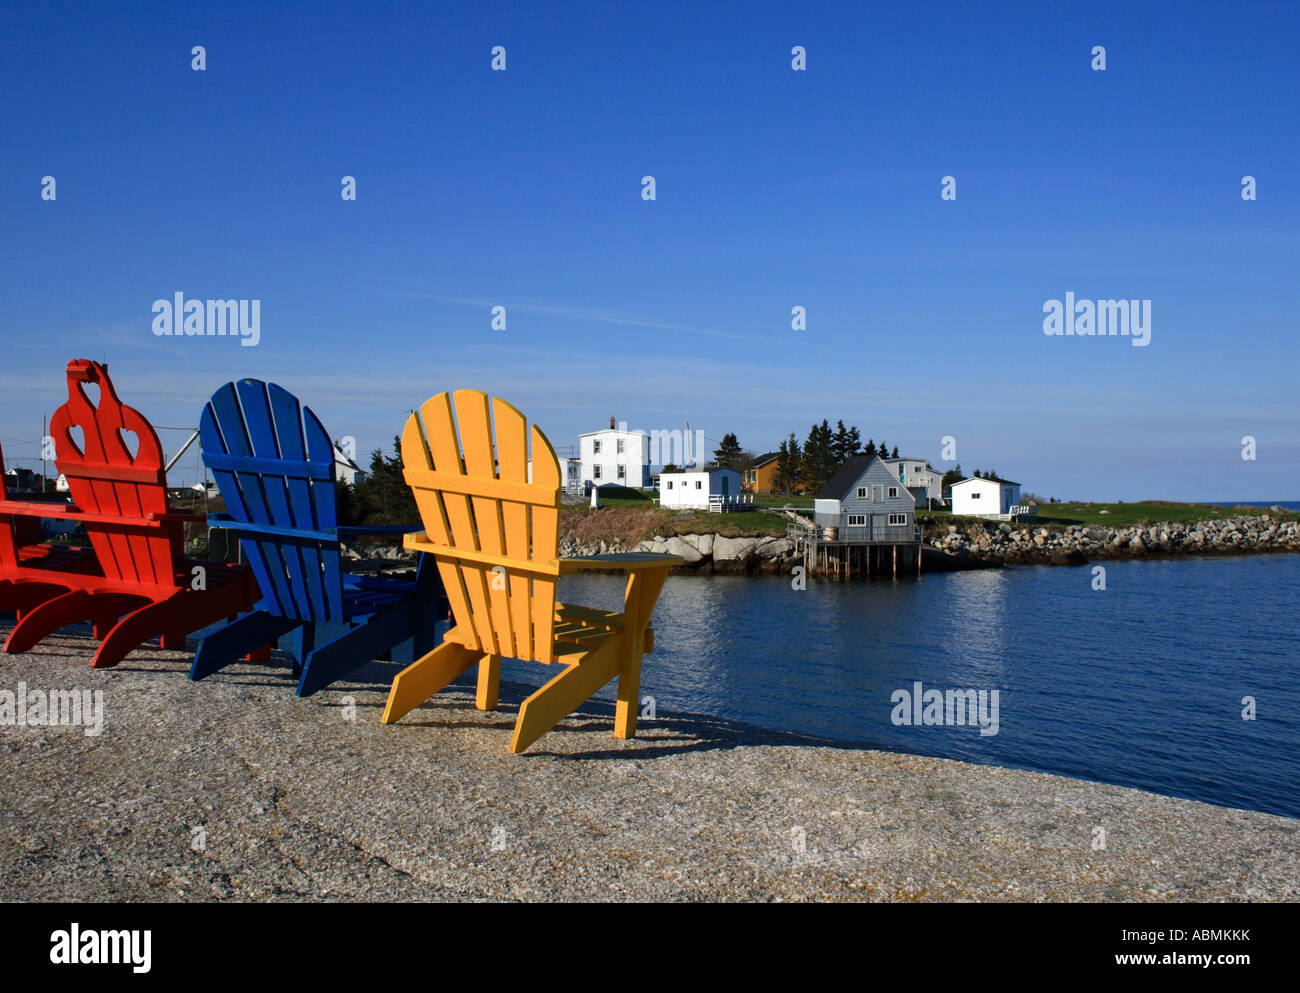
[990, 497]
[702, 489]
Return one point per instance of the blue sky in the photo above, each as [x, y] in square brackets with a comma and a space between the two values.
[775, 188]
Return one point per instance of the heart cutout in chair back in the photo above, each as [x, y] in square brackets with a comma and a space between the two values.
[130, 442]
[92, 393]
[77, 435]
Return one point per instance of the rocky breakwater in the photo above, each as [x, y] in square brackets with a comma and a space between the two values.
[993, 543]
[708, 553]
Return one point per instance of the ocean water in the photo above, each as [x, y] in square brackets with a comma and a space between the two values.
[1285, 504]
[1141, 684]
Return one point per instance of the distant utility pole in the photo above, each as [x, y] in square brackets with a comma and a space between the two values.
[43, 437]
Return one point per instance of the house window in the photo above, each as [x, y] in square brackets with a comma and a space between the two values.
[595, 447]
[622, 472]
[975, 496]
[897, 519]
[698, 485]
[618, 447]
[857, 520]
[670, 484]
[862, 492]
[893, 492]
[877, 493]
[595, 472]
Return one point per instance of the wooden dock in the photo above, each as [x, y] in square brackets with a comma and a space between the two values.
[856, 553]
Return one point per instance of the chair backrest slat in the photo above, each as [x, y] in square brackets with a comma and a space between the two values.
[274, 465]
[105, 478]
[474, 497]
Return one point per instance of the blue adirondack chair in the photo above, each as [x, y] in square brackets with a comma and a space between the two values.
[274, 465]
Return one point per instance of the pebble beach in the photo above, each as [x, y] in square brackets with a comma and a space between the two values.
[233, 789]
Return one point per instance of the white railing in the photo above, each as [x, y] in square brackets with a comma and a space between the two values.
[886, 534]
[720, 503]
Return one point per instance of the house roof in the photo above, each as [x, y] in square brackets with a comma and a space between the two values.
[710, 470]
[907, 458]
[341, 458]
[763, 460]
[847, 474]
[986, 479]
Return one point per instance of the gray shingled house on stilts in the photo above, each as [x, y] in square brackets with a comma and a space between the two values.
[864, 523]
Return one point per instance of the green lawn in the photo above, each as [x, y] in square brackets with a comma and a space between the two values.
[741, 524]
[1125, 514]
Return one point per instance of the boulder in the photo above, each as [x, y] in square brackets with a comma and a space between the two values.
[774, 548]
[733, 549]
[679, 546]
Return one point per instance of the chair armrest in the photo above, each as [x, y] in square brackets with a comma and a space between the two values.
[267, 532]
[351, 531]
[72, 513]
[620, 562]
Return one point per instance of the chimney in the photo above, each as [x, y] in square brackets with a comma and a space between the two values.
[611, 423]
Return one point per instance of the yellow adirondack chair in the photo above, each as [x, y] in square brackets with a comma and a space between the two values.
[494, 536]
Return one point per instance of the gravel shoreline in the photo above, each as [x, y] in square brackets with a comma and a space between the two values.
[294, 801]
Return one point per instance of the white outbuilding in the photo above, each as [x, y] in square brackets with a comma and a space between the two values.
[695, 490]
[987, 496]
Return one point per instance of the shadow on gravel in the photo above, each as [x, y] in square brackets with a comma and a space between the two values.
[670, 733]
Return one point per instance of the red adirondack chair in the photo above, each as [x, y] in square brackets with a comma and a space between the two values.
[145, 587]
[32, 572]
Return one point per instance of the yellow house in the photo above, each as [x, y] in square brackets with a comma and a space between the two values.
[762, 475]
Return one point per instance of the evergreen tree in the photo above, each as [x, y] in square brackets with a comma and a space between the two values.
[819, 455]
[895, 455]
[846, 444]
[854, 445]
[383, 497]
[727, 454]
[951, 476]
[870, 449]
[838, 442]
[788, 463]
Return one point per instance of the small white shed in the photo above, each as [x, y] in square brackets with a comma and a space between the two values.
[693, 490]
[985, 496]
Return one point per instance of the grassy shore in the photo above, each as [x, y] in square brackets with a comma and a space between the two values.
[1121, 514]
[629, 516]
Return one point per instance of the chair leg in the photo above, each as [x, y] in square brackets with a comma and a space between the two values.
[304, 640]
[426, 676]
[133, 630]
[46, 618]
[239, 638]
[565, 693]
[489, 681]
[638, 603]
[629, 693]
